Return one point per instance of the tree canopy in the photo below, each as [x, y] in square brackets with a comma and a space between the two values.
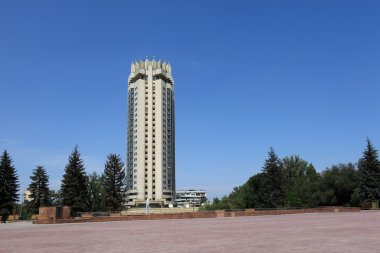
[369, 174]
[273, 187]
[9, 186]
[292, 182]
[74, 191]
[114, 183]
[96, 192]
[39, 188]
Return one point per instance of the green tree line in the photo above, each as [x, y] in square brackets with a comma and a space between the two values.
[292, 182]
[78, 190]
[282, 183]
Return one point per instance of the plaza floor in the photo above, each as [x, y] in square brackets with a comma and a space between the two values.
[317, 232]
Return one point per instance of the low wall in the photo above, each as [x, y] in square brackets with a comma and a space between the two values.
[293, 211]
[208, 214]
[48, 214]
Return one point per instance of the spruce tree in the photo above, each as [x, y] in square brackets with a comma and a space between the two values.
[9, 186]
[369, 174]
[39, 189]
[74, 191]
[114, 183]
[274, 188]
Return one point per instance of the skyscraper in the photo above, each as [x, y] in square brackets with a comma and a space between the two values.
[150, 134]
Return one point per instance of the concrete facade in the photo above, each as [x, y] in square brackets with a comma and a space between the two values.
[150, 134]
[189, 198]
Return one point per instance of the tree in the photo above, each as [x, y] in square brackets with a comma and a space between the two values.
[96, 192]
[274, 190]
[302, 183]
[55, 198]
[114, 183]
[9, 186]
[39, 189]
[74, 184]
[255, 194]
[369, 174]
[339, 184]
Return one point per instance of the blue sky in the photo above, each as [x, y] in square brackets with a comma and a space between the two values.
[301, 76]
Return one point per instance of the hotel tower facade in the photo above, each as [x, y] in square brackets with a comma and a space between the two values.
[150, 134]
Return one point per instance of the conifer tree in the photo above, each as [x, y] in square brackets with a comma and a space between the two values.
[74, 191]
[274, 188]
[39, 188]
[114, 183]
[9, 186]
[369, 174]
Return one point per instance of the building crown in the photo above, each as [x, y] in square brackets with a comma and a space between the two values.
[155, 65]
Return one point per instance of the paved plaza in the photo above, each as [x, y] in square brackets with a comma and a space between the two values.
[316, 232]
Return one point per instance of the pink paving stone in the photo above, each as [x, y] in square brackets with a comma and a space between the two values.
[317, 232]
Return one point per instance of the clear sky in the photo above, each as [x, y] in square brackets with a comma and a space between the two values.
[301, 76]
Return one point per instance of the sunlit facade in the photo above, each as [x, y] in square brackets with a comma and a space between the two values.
[150, 134]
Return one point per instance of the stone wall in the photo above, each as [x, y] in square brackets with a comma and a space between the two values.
[49, 214]
[188, 215]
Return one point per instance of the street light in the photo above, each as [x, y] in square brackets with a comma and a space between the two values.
[22, 203]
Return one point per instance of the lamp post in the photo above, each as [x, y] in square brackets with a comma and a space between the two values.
[147, 208]
[22, 203]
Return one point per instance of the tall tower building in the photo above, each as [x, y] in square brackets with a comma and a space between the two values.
[150, 134]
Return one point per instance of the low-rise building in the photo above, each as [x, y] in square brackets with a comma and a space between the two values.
[27, 196]
[189, 198]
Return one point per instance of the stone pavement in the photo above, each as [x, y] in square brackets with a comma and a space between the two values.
[314, 232]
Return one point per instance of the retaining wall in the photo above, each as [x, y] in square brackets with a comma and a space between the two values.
[188, 215]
